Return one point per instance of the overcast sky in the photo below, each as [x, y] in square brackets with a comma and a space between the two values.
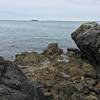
[50, 9]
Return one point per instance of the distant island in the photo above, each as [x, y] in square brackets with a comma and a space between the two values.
[35, 20]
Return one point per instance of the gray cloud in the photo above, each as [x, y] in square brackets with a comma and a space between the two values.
[50, 9]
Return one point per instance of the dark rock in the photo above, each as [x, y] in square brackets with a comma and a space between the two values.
[97, 88]
[79, 86]
[91, 96]
[66, 92]
[52, 50]
[69, 90]
[1, 59]
[77, 96]
[89, 70]
[15, 86]
[87, 38]
[50, 83]
[90, 82]
[73, 52]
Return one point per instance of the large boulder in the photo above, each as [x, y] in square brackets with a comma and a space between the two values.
[52, 51]
[15, 86]
[87, 38]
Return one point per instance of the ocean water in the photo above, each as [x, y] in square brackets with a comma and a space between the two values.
[21, 36]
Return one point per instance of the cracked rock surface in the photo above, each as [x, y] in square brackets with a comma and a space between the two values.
[87, 38]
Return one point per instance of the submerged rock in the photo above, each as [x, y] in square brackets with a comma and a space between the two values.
[87, 38]
[52, 51]
[15, 86]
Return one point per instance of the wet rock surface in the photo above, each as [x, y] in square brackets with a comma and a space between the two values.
[87, 38]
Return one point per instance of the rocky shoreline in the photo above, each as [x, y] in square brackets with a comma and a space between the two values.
[53, 74]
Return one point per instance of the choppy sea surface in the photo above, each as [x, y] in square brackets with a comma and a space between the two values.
[21, 36]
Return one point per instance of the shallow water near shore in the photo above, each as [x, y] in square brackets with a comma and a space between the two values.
[21, 36]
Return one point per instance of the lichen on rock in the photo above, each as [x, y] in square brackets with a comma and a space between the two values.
[87, 38]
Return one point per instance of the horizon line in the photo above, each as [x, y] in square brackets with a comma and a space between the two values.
[42, 20]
